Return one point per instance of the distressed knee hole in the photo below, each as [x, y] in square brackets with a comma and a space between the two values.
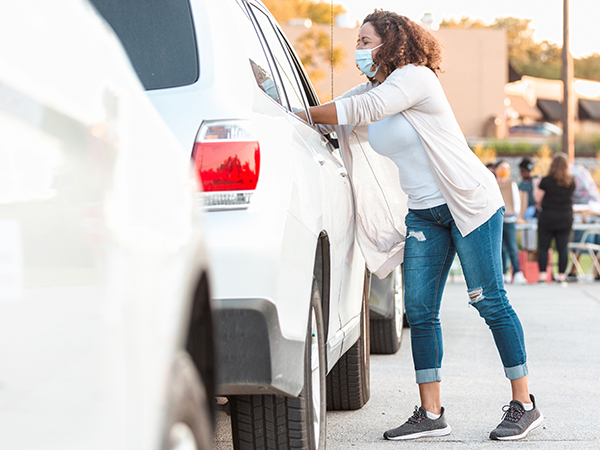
[418, 235]
[476, 295]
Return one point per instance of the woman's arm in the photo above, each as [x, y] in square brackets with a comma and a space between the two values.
[405, 88]
[326, 114]
[538, 194]
[524, 197]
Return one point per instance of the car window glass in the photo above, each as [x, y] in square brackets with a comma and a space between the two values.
[158, 37]
[288, 76]
[308, 90]
[261, 68]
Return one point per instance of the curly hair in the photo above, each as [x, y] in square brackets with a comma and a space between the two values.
[404, 42]
[559, 170]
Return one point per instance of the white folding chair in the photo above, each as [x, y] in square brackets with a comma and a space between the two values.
[576, 249]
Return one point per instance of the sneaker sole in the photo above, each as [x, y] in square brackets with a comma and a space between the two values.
[431, 433]
[533, 426]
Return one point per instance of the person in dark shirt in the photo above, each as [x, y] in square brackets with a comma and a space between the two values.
[526, 185]
[555, 193]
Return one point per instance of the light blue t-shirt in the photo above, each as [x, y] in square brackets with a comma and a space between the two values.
[396, 138]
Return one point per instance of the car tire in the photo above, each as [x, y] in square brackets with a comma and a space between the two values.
[348, 383]
[189, 424]
[386, 332]
[273, 422]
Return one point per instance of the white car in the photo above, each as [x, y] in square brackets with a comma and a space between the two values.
[105, 319]
[386, 313]
[289, 281]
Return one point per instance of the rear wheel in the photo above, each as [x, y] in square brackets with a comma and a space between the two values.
[273, 422]
[386, 332]
[348, 383]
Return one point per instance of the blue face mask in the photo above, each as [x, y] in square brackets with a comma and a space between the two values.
[364, 60]
[270, 88]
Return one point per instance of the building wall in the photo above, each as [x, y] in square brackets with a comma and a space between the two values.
[475, 72]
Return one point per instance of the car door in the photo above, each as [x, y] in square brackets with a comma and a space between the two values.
[350, 291]
[336, 192]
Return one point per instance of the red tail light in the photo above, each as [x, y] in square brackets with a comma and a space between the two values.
[227, 156]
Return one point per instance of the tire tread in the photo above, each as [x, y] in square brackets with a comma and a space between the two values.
[384, 336]
[273, 422]
[348, 383]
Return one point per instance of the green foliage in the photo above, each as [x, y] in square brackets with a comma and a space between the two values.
[588, 67]
[506, 147]
[321, 12]
[536, 59]
[585, 145]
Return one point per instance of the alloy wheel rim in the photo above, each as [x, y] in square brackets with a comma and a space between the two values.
[181, 437]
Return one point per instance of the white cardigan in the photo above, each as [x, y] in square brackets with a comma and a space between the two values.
[469, 188]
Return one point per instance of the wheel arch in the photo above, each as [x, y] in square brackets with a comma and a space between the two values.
[322, 273]
[199, 341]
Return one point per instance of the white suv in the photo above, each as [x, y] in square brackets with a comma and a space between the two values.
[289, 281]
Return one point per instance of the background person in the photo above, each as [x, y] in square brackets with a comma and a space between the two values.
[586, 204]
[455, 206]
[556, 216]
[510, 246]
[491, 167]
[526, 186]
[529, 208]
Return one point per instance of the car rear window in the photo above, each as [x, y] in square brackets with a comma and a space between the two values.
[159, 38]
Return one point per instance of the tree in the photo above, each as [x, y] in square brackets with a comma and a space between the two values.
[314, 46]
[536, 59]
[463, 22]
[317, 11]
[314, 50]
[588, 67]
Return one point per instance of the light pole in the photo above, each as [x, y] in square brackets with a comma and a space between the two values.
[568, 105]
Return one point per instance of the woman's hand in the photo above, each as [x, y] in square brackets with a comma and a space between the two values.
[302, 115]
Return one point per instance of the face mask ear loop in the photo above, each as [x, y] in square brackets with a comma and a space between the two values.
[377, 69]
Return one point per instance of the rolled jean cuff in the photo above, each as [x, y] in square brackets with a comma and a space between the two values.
[428, 375]
[516, 372]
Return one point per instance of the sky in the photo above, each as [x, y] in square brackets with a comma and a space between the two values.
[546, 15]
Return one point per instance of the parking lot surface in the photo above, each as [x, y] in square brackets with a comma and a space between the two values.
[562, 332]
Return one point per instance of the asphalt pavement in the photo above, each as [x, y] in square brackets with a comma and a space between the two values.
[562, 333]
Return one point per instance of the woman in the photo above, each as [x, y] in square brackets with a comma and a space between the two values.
[555, 193]
[455, 206]
[512, 203]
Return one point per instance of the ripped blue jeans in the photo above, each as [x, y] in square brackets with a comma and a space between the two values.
[431, 244]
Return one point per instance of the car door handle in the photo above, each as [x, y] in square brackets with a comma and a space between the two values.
[343, 172]
[320, 159]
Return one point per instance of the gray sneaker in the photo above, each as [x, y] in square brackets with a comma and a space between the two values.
[517, 422]
[419, 425]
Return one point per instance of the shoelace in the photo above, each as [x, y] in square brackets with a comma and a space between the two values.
[513, 412]
[417, 416]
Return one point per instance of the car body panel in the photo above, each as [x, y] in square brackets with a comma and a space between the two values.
[101, 245]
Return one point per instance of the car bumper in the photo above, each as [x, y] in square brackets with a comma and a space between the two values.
[253, 357]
